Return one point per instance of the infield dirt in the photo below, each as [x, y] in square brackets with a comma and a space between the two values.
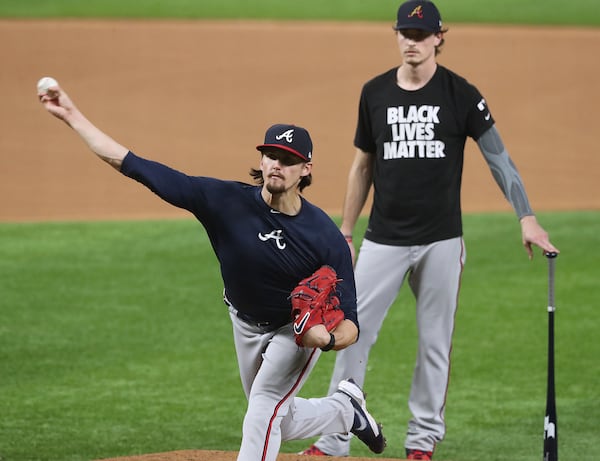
[199, 95]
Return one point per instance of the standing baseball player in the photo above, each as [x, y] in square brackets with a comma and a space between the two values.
[267, 238]
[413, 122]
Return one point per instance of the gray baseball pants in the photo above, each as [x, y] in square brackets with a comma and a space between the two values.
[433, 272]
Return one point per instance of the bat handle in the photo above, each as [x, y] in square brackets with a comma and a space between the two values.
[551, 255]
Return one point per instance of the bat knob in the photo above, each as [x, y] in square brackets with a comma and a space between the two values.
[550, 254]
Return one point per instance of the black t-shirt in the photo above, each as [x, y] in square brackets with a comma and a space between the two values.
[418, 138]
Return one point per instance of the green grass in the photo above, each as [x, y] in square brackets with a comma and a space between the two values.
[574, 12]
[114, 341]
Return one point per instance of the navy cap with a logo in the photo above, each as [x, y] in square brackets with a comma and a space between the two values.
[291, 138]
[419, 14]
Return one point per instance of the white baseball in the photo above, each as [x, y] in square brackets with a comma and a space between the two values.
[44, 83]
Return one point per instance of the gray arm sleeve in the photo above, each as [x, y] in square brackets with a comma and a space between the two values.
[504, 171]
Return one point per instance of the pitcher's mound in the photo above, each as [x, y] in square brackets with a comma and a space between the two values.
[212, 455]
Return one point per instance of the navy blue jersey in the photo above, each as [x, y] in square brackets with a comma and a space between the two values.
[418, 139]
[263, 253]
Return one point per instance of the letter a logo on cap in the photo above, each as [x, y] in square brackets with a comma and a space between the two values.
[288, 135]
[418, 11]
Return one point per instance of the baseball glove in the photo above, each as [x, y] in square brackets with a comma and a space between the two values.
[315, 302]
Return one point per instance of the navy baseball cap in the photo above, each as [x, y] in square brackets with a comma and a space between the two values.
[419, 14]
[291, 138]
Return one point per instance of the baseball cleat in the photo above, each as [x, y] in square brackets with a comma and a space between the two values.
[313, 450]
[419, 454]
[364, 427]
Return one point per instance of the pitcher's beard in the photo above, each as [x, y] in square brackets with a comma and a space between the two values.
[275, 189]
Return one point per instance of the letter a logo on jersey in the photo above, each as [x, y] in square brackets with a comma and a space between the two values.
[275, 235]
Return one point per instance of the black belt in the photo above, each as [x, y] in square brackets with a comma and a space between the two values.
[265, 325]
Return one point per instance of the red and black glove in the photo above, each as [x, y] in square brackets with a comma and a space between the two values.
[315, 302]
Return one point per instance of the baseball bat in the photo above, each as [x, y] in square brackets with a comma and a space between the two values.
[550, 421]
